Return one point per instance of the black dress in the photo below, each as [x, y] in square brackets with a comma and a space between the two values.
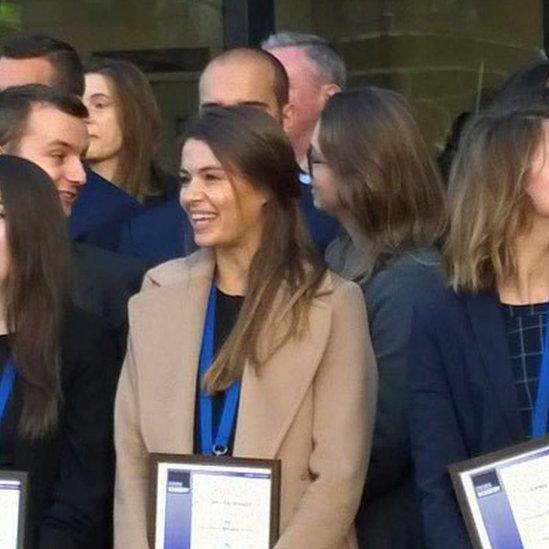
[71, 471]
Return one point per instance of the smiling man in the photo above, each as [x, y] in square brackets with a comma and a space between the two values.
[48, 127]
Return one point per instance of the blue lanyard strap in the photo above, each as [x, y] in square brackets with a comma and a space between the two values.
[218, 445]
[541, 408]
[6, 386]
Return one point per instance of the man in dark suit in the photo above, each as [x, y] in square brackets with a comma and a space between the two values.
[241, 76]
[47, 127]
[102, 208]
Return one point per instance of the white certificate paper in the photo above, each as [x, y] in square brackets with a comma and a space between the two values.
[230, 512]
[504, 496]
[527, 488]
[10, 500]
[215, 505]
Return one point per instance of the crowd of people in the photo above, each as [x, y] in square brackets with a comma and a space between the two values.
[370, 322]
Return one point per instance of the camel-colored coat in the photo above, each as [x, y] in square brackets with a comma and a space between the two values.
[311, 405]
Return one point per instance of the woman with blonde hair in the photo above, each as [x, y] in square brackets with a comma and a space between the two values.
[289, 348]
[372, 171]
[477, 345]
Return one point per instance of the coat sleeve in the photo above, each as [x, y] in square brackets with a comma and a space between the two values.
[80, 513]
[437, 440]
[344, 393]
[390, 311]
[132, 474]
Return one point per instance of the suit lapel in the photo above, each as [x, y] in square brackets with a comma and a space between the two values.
[270, 398]
[489, 329]
[173, 347]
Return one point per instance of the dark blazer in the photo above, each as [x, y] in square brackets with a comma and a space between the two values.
[159, 234]
[163, 232]
[103, 283]
[389, 517]
[322, 228]
[100, 211]
[71, 470]
[464, 401]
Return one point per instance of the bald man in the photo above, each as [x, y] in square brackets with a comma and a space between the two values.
[242, 76]
[245, 76]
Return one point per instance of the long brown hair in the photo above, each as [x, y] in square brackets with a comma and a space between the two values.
[487, 197]
[138, 116]
[386, 178]
[249, 142]
[36, 289]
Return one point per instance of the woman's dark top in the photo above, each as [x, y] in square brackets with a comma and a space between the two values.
[70, 470]
[525, 330]
[227, 308]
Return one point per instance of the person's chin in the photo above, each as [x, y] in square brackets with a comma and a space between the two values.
[204, 241]
[317, 204]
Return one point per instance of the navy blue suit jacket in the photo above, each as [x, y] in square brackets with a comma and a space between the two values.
[464, 400]
[163, 232]
[100, 212]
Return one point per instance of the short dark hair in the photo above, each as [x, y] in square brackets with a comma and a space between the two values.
[69, 74]
[17, 102]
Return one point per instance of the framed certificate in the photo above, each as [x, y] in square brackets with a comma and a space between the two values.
[205, 502]
[13, 503]
[504, 496]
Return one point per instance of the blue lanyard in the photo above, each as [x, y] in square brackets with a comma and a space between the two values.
[218, 445]
[6, 386]
[541, 409]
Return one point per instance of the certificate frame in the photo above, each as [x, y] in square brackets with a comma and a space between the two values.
[22, 478]
[274, 467]
[515, 453]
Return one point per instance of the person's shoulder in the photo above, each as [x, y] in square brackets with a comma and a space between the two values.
[175, 270]
[83, 330]
[100, 186]
[334, 289]
[415, 271]
[105, 261]
[173, 275]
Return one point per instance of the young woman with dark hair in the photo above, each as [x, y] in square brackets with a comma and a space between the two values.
[479, 344]
[124, 128]
[59, 367]
[372, 171]
[289, 341]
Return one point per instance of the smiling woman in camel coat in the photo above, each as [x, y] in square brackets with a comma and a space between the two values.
[311, 405]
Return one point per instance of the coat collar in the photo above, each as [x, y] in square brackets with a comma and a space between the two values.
[488, 325]
[172, 320]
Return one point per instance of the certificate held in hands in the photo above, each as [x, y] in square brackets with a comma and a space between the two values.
[504, 496]
[210, 502]
[13, 499]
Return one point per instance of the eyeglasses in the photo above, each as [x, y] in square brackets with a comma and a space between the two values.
[313, 160]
